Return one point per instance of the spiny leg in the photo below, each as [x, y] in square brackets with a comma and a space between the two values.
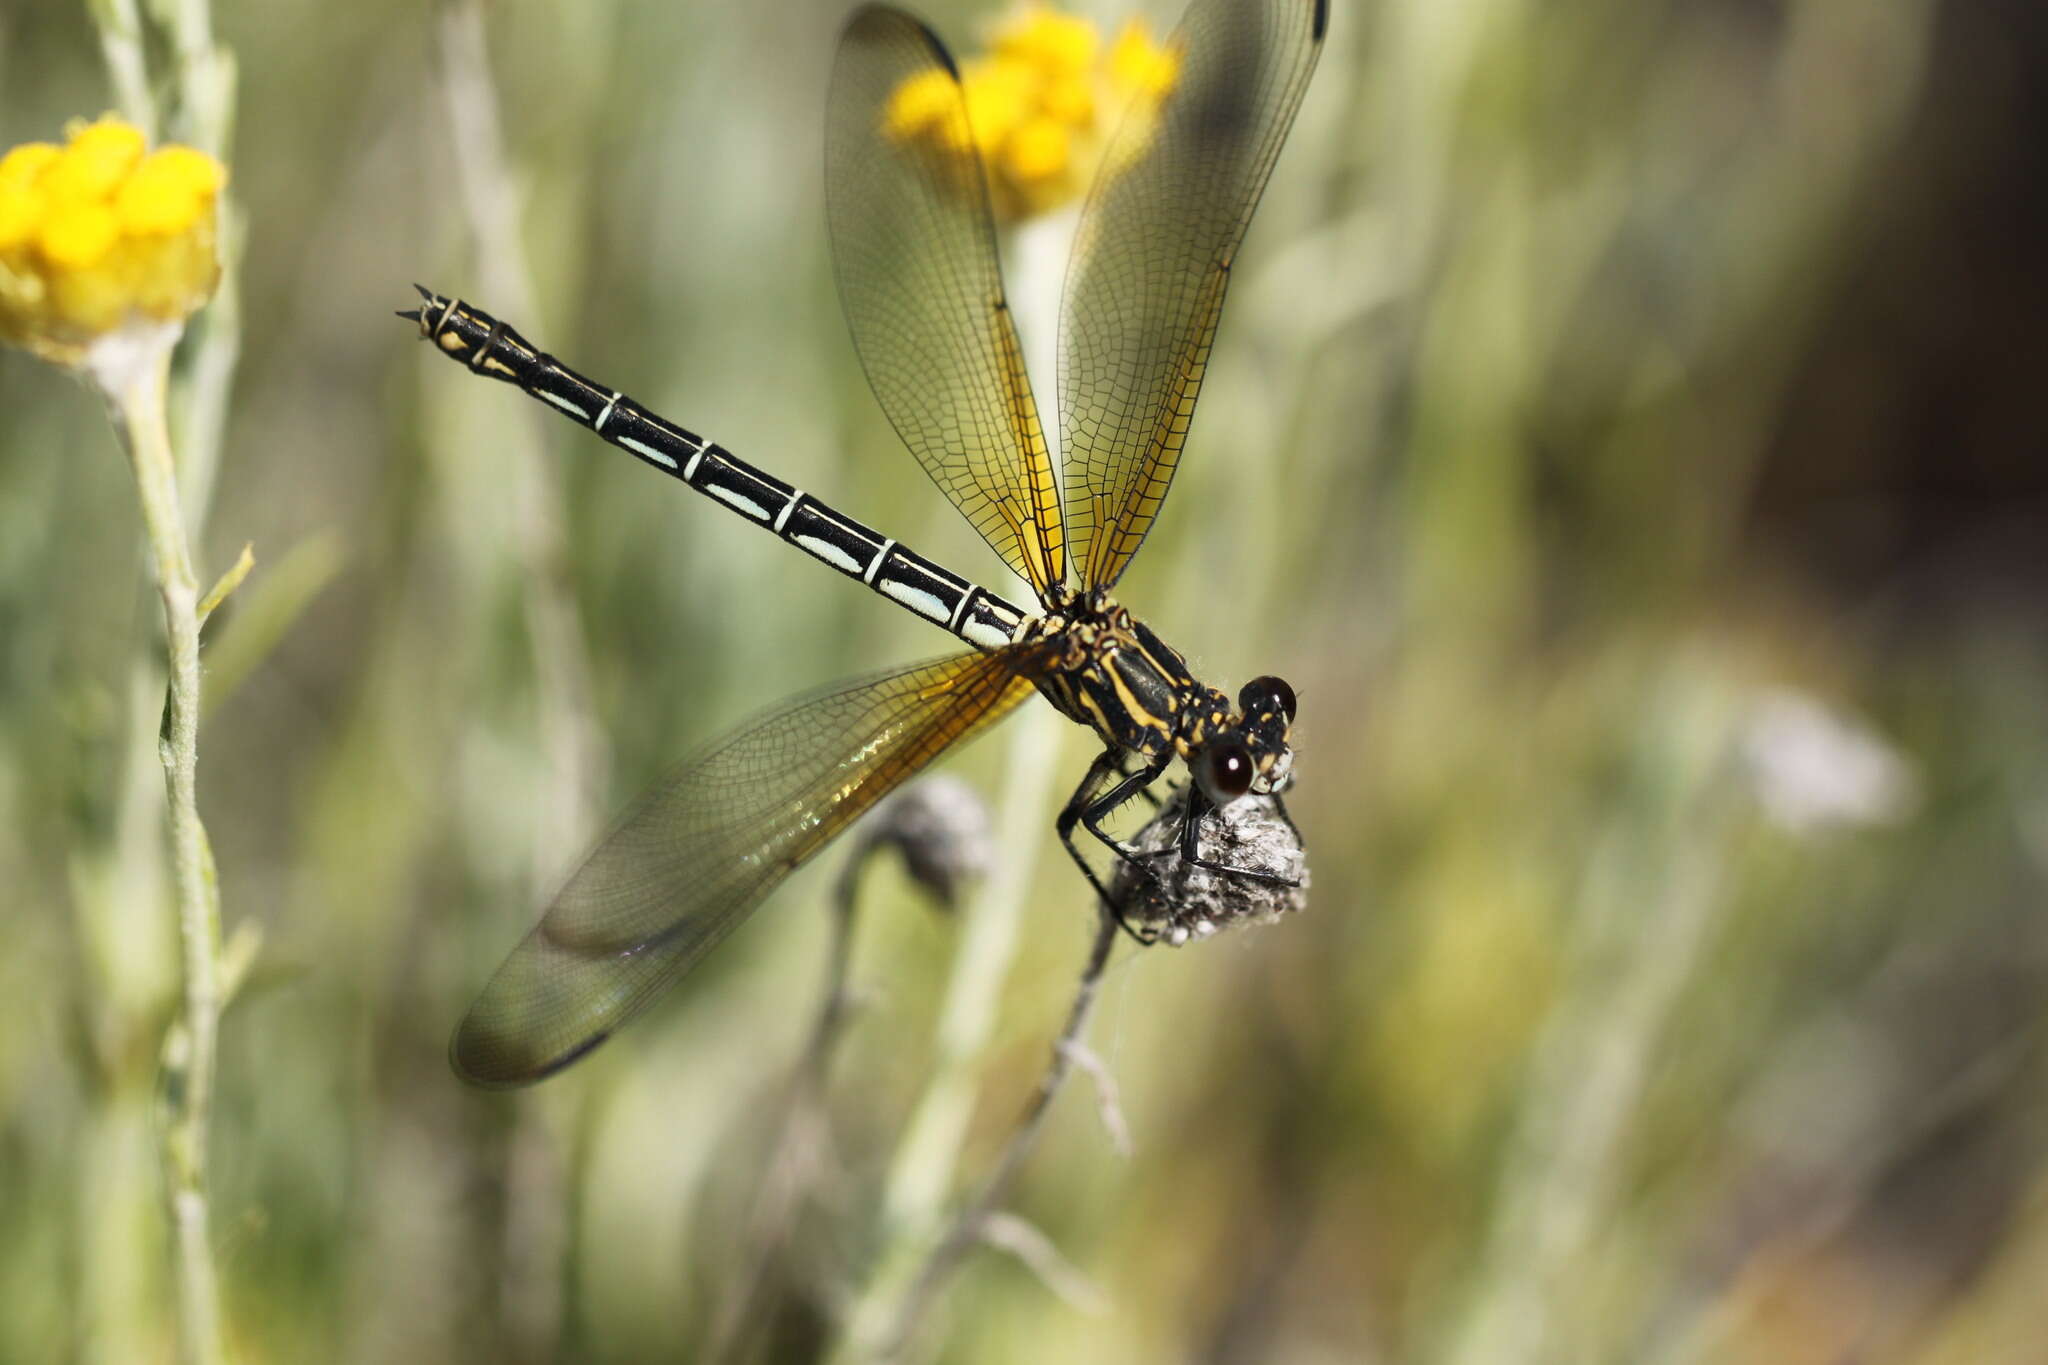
[1150, 797]
[1104, 766]
[1105, 805]
[1086, 807]
[1121, 770]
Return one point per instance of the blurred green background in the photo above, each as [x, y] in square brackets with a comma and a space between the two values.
[1626, 436]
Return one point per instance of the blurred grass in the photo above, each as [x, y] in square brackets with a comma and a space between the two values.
[1581, 1055]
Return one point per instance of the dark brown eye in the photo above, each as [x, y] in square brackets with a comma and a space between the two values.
[1225, 771]
[1266, 694]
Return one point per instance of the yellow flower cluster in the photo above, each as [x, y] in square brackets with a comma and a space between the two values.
[1041, 104]
[101, 233]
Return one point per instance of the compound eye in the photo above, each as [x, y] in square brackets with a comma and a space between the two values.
[1266, 694]
[1225, 771]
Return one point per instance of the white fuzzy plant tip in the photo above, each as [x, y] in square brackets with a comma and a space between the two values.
[941, 827]
[1250, 868]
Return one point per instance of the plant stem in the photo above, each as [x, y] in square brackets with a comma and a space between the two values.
[927, 1155]
[202, 113]
[135, 396]
[561, 671]
[921, 1174]
[535, 553]
[968, 1225]
[121, 47]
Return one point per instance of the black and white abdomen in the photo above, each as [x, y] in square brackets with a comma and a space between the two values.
[906, 578]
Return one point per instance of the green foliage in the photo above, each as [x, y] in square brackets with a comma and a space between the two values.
[1596, 1044]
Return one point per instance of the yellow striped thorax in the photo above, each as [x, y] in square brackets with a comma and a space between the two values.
[1116, 676]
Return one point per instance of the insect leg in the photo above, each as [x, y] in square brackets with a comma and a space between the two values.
[1199, 805]
[1150, 797]
[1086, 807]
[1098, 810]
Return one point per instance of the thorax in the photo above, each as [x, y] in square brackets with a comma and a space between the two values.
[1117, 677]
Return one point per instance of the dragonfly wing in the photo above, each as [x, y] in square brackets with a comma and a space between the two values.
[1152, 257]
[699, 851]
[914, 250]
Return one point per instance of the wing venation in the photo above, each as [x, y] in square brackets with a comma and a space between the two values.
[1152, 261]
[698, 852]
[914, 251]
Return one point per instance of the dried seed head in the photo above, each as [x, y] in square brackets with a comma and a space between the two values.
[941, 827]
[1183, 901]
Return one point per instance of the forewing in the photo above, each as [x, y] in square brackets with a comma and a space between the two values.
[915, 254]
[699, 851]
[1152, 259]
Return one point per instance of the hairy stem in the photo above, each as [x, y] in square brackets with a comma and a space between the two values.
[202, 113]
[136, 399]
[121, 47]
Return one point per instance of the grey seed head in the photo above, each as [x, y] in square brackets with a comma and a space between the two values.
[1184, 902]
[941, 827]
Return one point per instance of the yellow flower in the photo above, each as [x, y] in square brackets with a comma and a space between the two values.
[921, 106]
[999, 96]
[1047, 41]
[1037, 150]
[100, 234]
[77, 235]
[1041, 106]
[1141, 68]
[24, 165]
[1070, 100]
[175, 186]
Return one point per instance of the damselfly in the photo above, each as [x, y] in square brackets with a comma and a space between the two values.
[914, 251]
